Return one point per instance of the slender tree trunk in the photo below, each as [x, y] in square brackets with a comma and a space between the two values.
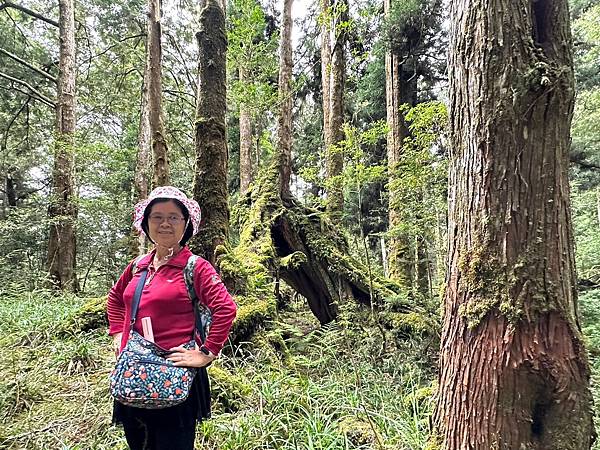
[154, 63]
[142, 164]
[210, 181]
[284, 136]
[245, 141]
[513, 369]
[335, 158]
[326, 70]
[62, 211]
[400, 251]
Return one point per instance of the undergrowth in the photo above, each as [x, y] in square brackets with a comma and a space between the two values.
[295, 386]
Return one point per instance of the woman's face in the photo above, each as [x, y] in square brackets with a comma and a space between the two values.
[166, 224]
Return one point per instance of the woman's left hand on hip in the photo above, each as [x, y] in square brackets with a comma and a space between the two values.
[183, 357]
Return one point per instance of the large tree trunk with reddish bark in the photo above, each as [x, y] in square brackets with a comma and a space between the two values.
[284, 133]
[62, 211]
[154, 65]
[210, 179]
[513, 368]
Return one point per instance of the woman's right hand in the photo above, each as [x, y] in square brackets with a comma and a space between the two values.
[117, 343]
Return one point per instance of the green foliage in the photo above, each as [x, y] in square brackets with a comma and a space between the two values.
[586, 224]
[252, 49]
[589, 304]
[419, 179]
[586, 34]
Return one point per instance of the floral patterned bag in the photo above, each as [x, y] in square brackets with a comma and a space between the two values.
[143, 377]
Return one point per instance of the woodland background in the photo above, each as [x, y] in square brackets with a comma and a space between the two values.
[290, 377]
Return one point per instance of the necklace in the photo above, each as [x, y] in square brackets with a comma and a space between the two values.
[158, 262]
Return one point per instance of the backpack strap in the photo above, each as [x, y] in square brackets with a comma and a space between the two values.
[201, 311]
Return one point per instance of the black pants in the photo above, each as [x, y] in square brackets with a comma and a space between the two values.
[142, 435]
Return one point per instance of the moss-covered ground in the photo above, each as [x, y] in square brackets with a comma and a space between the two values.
[292, 385]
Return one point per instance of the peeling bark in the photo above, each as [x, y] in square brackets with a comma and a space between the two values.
[513, 369]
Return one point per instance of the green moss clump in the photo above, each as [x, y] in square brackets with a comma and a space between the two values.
[358, 432]
[228, 390]
[91, 316]
[411, 324]
[251, 312]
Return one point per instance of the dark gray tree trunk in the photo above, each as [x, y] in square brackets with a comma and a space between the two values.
[62, 211]
[210, 181]
[513, 369]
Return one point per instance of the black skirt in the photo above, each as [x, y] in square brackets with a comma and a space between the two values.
[195, 408]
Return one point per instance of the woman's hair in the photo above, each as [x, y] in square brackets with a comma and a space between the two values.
[189, 230]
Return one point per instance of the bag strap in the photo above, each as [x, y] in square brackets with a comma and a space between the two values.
[202, 314]
[136, 297]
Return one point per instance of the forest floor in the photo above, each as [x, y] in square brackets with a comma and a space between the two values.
[296, 385]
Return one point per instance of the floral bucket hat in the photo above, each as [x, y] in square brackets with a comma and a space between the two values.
[167, 192]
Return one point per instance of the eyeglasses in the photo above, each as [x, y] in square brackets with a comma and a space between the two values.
[173, 220]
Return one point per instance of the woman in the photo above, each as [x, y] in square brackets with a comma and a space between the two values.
[169, 219]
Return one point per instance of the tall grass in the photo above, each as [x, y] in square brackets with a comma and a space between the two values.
[324, 389]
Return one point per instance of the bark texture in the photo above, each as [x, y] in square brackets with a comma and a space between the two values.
[245, 141]
[513, 369]
[284, 136]
[335, 158]
[154, 63]
[210, 178]
[325, 70]
[62, 211]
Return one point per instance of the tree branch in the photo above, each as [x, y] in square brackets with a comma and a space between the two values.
[36, 94]
[31, 66]
[5, 5]
[14, 118]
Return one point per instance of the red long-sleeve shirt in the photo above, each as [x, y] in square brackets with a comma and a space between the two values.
[166, 301]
